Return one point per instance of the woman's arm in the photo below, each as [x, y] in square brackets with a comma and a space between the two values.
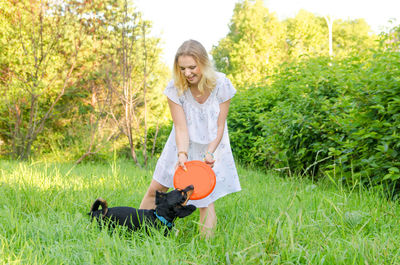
[181, 132]
[223, 113]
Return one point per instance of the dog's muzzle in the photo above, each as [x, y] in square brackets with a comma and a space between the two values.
[188, 192]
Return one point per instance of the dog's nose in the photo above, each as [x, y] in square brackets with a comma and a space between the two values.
[190, 187]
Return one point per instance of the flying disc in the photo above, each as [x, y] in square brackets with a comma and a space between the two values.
[198, 174]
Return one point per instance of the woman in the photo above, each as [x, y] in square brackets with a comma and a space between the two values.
[198, 99]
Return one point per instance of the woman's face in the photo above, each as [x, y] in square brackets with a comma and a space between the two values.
[189, 69]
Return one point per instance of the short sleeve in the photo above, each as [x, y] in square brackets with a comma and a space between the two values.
[172, 93]
[226, 91]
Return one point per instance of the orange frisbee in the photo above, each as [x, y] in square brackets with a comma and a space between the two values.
[198, 174]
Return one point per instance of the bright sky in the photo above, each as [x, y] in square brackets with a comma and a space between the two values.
[175, 21]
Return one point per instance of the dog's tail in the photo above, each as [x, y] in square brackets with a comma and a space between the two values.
[100, 202]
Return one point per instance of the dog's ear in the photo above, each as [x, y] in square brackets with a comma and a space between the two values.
[160, 197]
[185, 210]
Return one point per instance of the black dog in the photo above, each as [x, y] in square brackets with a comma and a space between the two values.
[169, 206]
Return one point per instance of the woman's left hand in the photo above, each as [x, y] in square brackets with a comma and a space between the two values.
[209, 160]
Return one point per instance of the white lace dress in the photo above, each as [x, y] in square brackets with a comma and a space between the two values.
[201, 121]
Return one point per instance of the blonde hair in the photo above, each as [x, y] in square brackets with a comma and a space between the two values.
[197, 51]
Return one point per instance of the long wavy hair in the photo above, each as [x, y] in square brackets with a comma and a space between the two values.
[197, 51]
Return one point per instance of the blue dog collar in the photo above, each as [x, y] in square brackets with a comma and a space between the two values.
[163, 220]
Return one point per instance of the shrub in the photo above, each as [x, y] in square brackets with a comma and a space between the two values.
[340, 117]
[246, 126]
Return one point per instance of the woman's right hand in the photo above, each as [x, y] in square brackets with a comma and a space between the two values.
[182, 159]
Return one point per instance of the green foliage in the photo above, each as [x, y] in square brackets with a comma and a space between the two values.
[245, 125]
[34, 61]
[121, 75]
[373, 136]
[258, 43]
[36, 69]
[157, 142]
[340, 117]
[253, 47]
[306, 35]
[351, 36]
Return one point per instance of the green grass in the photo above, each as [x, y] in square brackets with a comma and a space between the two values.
[273, 220]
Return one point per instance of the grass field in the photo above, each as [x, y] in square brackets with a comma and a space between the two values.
[273, 220]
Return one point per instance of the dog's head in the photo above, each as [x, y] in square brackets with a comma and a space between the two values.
[173, 204]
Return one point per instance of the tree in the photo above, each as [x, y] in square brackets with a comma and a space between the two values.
[111, 66]
[254, 46]
[123, 80]
[305, 35]
[312, 35]
[39, 33]
[352, 36]
[257, 43]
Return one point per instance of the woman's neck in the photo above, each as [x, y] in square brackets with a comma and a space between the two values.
[194, 87]
[195, 91]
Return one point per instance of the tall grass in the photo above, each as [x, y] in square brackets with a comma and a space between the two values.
[43, 220]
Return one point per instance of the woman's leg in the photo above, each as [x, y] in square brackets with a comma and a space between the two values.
[149, 199]
[208, 221]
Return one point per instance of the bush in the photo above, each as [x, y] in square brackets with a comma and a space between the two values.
[246, 125]
[163, 132]
[340, 117]
[373, 126]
